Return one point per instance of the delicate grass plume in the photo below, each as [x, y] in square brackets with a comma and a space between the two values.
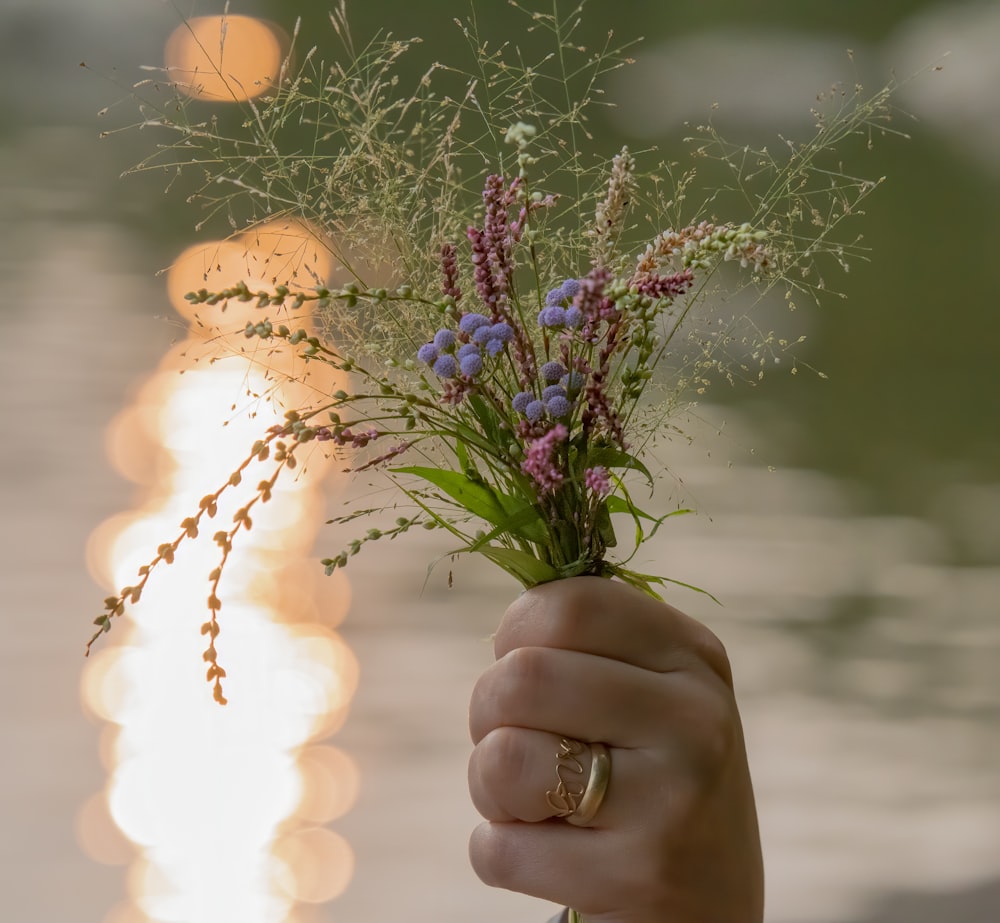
[521, 313]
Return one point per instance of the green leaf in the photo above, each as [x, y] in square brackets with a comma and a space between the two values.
[645, 582]
[487, 418]
[512, 514]
[524, 524]
[471, 437]
[519, 564]
[616, 504]
[689, 586]
[610, 457]
[461, 454]
[475, 496]
[605, 528]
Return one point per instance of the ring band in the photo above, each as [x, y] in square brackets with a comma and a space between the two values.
[597, 787]
[576, 803]
[565, 797]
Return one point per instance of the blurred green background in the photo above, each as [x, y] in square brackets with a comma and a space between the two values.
[910, 404]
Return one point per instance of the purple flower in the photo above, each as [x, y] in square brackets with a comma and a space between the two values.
[502, 332]
[554, 297]
[565, 291]
[482, 335]
[570, 289]
[427, 353]
[466, 349]
[494, 346]
[574, 317]
[445, 367]
[444, 340]
[472, 322]
[559, 406]
[449, 272]
[572, 382]
[553, 391]
[471, 365]
[534, 411]
[552, 317]
[521, 400]
[552, 371]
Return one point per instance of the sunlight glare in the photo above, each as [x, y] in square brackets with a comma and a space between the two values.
[213, 799]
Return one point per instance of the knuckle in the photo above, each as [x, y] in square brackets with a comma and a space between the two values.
[492, 856]
[551, 615]
[508, 687]
[485, 780]
[480, 708]
[720, 738]
[510, 629]
[524, 671]
[574, 615]
[501, 758]
[710, 650]
[717, 736]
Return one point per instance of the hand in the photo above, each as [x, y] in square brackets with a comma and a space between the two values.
[675, 839]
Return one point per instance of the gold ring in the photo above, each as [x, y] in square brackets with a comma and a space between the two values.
[565, 797]
[570, 799]
[597, 787]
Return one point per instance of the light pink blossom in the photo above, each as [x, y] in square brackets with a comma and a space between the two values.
[539, 462]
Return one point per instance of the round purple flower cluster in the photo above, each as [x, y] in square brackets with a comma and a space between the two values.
[551, 372]
[556, 314]
[477, 334]
[554, 402]
[562, 294]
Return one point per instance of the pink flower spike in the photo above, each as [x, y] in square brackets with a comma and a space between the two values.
[598, 480]
[538, 462]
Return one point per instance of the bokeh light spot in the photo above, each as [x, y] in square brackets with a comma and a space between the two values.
[228, 58]
[98, 836]
[319, 864]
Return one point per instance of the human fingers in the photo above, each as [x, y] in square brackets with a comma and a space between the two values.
[581, 868]
[527, 775]
[596, 699]
[663, 845]
[610, 619]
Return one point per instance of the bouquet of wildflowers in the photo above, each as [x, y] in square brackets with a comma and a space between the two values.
[522, 316]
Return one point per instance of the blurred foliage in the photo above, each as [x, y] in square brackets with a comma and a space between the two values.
[911, 354]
